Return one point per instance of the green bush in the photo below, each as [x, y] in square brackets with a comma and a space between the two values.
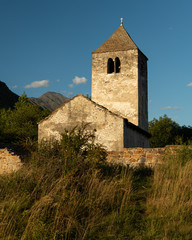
[19, 124]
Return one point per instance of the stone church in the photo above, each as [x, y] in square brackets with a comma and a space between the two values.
[118, 109]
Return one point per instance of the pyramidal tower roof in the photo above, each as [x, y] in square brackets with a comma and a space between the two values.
[119, 41]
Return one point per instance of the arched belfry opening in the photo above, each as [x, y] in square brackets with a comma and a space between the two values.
[110, 66]
[113, 66]
[117, 65]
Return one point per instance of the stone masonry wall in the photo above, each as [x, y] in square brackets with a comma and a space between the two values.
[140, 156]
[9, 162]
[133, 157]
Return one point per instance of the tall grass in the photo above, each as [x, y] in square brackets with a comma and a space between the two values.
[68, 191]
[169, 206]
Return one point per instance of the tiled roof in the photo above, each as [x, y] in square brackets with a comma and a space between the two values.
[119, 41]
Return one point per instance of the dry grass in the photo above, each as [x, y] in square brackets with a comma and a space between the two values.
[68, 191]
[64, 192]
[170, 203]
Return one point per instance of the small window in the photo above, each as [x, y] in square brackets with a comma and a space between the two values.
[117, 65]
[110, 66]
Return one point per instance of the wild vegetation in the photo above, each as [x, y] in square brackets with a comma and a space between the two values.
[169, 204]
[68, 191]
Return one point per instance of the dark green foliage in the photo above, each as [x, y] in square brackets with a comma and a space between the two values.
[165, 131]
[20, 123]
[186, 133]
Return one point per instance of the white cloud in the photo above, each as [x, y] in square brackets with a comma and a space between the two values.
[150, 101]
[189, 85]
[15, 86]
[58, 80]
[77, 80]
[37, 84]
[171, 108]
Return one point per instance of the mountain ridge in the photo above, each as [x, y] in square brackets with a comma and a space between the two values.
[49, 100]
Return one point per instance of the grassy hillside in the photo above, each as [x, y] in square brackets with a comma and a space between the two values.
[68, 191]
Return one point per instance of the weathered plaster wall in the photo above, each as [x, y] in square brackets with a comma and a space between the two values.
[117, 91]
[9, 162]
[108, 126]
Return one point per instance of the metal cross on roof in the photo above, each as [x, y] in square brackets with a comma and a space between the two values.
[121, 21]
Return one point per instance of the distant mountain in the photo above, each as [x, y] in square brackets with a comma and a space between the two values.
[7, 97]
[49, 100]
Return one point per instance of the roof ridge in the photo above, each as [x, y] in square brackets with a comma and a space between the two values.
[120, 40]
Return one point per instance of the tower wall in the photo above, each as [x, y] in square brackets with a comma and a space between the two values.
[117, 91]
[124, 93]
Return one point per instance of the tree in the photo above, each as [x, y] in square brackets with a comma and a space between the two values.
[164, 131]
[21, 123]
[186, 134]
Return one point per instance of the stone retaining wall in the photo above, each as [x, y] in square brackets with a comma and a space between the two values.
[133, 157]
[9, 162]
[140, 156]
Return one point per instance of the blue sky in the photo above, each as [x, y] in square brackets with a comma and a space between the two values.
[46, 45]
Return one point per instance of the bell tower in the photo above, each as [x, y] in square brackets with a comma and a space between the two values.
[119, 78]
